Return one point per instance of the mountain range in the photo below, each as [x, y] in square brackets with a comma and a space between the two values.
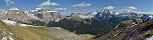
[98, 25]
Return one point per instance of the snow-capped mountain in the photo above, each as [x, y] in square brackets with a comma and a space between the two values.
[84, 23]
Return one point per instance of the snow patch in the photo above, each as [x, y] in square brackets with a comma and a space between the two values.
[24, 25]
[57, 20]
[4, 38]
[11, 33]
[37, 26]
[94, 13]
[84, 16]
[150, 38]
[33, 16]
[56, 28]
[4, 32]
[11, 38]
[8, 22]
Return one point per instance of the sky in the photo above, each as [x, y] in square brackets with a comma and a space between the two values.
[71, 6]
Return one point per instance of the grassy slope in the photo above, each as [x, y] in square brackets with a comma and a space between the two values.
[39, 33]
[22, 33]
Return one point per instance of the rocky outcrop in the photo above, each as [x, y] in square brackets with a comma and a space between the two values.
[35, 17]
[129, 31]
[18, 15]
[46, 15]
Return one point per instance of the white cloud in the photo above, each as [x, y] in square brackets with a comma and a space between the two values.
[54, 4]
[133, 9]
[9, 2]
[48, 3]
[140, 12]
[2, 11]
[61, 9]
[129, 9]
[82, 5]
[109, 7]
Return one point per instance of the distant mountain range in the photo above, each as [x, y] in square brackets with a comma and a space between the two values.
[89, 23]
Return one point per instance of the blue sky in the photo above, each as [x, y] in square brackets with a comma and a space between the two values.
[141, 5]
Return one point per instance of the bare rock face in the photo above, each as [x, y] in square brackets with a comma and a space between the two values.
[41, 15]
[49, 16]
[16, 15]
[46, 15]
